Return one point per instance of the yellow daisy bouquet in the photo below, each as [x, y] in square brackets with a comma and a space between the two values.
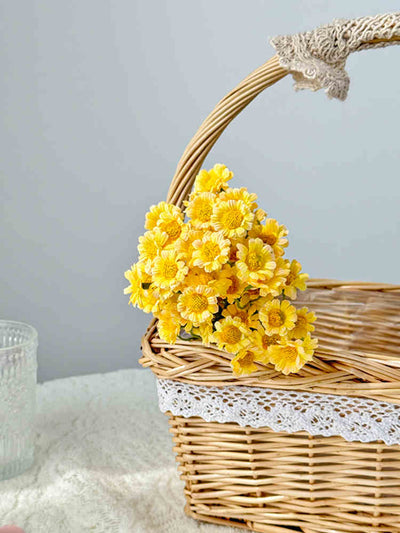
[215, 272]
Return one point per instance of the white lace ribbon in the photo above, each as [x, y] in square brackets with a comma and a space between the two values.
[354, 419]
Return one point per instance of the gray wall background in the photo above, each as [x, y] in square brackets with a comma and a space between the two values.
[98, 100]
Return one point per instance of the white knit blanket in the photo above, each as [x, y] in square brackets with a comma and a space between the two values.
[104, 462]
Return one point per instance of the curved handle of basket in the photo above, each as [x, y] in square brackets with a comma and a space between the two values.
[316, 59]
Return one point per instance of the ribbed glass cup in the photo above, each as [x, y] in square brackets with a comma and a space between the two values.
[18, 370]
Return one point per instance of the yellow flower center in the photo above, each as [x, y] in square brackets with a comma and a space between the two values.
[204, 211]
[169, 270]
[289, 353]
[231, 335]
[247, 359]
[198, 303]
[268, 340]
[275, 318]
[232, 218]
[254, 261]
[173, 229]
[291, 277]
[269, 239]
[301, 321]
[210, 251]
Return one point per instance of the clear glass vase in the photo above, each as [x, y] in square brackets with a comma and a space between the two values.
[18, 370]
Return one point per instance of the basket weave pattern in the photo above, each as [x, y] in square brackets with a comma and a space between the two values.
[359, 336]
[258, 478]
[276, 482]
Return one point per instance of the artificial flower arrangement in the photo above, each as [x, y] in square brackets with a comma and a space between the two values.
[220, 277]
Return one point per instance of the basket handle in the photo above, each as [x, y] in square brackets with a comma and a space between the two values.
[316, 59]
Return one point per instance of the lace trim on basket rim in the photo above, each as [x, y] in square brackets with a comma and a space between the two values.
[354, 419]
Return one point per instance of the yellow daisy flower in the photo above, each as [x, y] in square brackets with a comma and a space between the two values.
[135, 287]
[231, 334]
[243, 363]
[211, 251]
[141, 293]
[262, 344]
[248, 297]
[172, 225]
[233, 310]
[272, 233]
[255, 262]
[197, 304]
[233, 257]
[295, 280]
[200, 208]
[248, 316]
[220, 283]
[184, 245]
[303, 324]
[233, 218]
[151, 300]
[260, 215]
[169, 308]
[166, 293]
[309, 345]
[169, 270]
[290, 356]
[153, 216]
[150, 246]
[249, 198]
[258, 303]
[168, 329]
[273, 287]
[278, 317]
[205, 331]
[198, 276]
[236, 286]
[214, 180]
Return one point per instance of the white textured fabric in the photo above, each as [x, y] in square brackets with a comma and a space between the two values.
[354, 419]
[317, 58]
[104, 462]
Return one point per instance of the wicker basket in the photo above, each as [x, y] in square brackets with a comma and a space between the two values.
[261, 480]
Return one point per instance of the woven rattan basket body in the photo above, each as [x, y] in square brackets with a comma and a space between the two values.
[264, 481]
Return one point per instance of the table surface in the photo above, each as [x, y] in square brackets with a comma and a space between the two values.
[103, 464]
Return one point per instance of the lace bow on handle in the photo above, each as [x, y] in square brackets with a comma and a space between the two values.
[316, 59]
